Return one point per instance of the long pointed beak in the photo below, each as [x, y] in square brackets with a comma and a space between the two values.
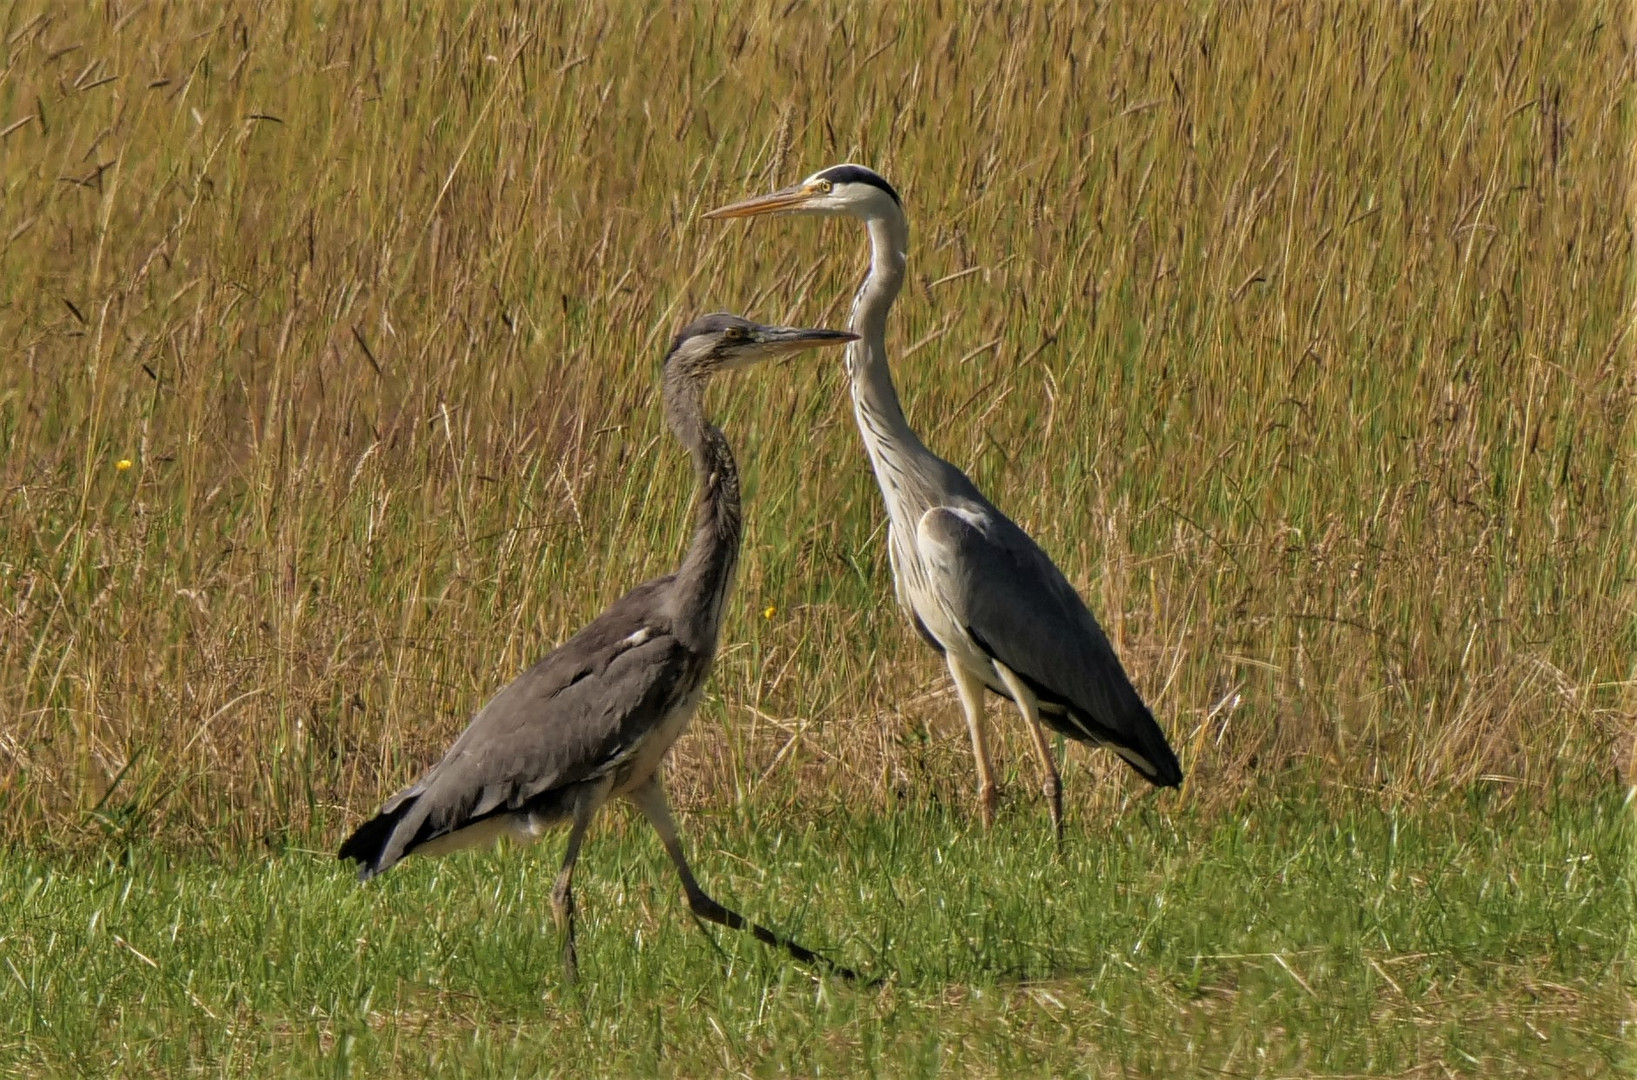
[789, 339]
[782, 340]
[785, 199]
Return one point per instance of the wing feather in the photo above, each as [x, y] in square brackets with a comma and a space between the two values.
[996, 584]
[569, 718]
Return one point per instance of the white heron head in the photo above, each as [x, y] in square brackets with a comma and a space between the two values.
[839, 191]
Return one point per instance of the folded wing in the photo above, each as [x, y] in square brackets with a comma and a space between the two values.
[570, 718]
[1010, 598]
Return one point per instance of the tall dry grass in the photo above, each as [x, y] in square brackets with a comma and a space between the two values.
[1297, 333]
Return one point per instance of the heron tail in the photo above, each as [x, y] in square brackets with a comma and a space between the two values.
[1146, 750]
[368, 845]
[1137, 739]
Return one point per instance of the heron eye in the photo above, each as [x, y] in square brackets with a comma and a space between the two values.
[822, 187]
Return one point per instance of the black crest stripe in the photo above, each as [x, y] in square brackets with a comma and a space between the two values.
[858, 174]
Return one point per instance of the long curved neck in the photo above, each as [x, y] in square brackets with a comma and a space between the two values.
[887, 435]
[702, 584]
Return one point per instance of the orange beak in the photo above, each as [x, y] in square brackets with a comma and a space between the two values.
[783, 200]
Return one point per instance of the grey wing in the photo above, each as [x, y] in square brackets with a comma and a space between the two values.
[995, 583]
[573, 716]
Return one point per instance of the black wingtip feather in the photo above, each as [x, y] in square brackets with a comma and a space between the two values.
[368, 843]
[1167, 769]
[1141, 739]
[1139, 733]
[1145, 739]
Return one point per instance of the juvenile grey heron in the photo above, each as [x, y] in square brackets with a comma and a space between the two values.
[597, 715]
[977, 588]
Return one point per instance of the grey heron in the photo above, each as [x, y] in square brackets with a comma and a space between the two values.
[974, 584]
[596, 717]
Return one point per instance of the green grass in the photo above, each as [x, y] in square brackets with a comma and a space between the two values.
[1288, 938]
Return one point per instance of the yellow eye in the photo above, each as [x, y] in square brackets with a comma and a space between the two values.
[822, 187]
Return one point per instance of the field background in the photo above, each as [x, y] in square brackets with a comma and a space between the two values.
[1298, 334]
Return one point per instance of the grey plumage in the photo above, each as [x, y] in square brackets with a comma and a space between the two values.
[574, 717]
[596, 716]
[973, 584]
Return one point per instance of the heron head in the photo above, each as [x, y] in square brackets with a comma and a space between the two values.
[840, 190]
[722, 342]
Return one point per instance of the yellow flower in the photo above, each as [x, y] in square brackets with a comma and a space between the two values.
[122, 464]
[770, 612]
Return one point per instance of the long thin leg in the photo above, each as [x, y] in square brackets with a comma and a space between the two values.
[971, 688]
[586, 804]
[1051, 785]
[650, 799]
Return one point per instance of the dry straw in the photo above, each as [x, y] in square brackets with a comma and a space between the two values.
[1297, 333]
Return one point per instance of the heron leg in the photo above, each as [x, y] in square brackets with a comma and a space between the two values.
[1051, 785]
[586, 804]
[971, 688]
[650, 799]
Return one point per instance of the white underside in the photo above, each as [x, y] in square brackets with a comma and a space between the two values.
[525, 828]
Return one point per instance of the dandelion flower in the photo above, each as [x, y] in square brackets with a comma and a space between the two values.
[122, 464]
[769, 612]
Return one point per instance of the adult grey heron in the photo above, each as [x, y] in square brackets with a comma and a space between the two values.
[976, 587]
[595, 718]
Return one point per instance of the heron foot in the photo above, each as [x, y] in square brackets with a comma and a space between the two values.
[704, 908]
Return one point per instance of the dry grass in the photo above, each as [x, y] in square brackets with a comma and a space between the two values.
[1296, 333]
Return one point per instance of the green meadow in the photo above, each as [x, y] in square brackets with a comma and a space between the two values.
[1299, 335]
[1289, 939]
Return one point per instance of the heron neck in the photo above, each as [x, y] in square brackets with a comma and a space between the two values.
[706, 576]
[880, 417]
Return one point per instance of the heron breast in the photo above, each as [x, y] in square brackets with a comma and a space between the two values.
[650, 750]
